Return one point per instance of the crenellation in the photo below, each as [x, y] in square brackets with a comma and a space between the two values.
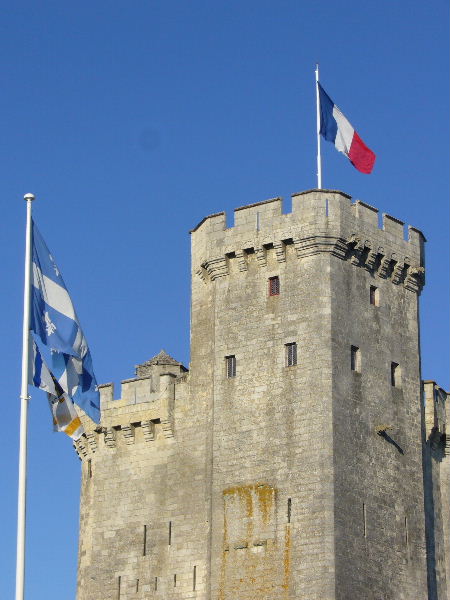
[258, 216]
[393, 226]
[139, 389]
[106, 394]
[366, 214]
[417, 240]
[320, 221]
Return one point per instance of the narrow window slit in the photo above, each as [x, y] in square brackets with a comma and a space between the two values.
[144, 549]
[374, 295]
[395, 374]
[406, 531]
[364, 520]
[175, 580]
[89, 465]
[355, 359]
[289, 509]
[194, 578]
[137, 586]
[119, 583]
[170, 533]
[156, 584]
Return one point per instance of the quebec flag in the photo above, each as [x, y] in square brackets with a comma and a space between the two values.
[64, 414]
[56, 326]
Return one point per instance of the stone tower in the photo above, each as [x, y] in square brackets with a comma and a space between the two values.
[288, 462]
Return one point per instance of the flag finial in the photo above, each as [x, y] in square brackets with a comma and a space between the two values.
[29, 197]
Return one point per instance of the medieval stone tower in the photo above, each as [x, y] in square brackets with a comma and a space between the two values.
[297, 458]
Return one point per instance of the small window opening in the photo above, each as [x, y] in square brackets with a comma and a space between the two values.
[374, 296]
[89, 468]
[355, 361]
[194, 578]
[144, 545]
[406, 531]
[175, 580]
[170, 533]
[137, 586]
[274, 286]
[395, 375]
[289, 509]
[230, 362]
[119, 583]
[156, 584]
[291, 354]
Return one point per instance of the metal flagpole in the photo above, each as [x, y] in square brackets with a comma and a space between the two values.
[24, 398]
[319, 157]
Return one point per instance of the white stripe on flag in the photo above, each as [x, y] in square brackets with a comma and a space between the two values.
[345, 132]
[54, 295]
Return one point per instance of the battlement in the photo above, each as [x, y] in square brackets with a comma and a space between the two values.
[143, 412]
[320, 221]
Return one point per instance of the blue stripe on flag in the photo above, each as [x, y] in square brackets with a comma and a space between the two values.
[37, 370]
[44, 260]
[328, 125]
[53, 328]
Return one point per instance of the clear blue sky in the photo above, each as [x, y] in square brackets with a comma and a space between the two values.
[130, 121]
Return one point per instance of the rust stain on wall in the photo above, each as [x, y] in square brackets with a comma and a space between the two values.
[256, 564]
[266, 497]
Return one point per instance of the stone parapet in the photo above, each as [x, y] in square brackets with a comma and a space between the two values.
[144, 410]
[320, 221]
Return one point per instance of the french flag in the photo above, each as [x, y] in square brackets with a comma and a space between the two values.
[335, 128]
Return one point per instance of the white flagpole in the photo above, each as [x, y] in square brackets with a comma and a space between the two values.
[319, 157]
[24, 398]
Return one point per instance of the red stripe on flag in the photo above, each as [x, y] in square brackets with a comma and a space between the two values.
[361, 157]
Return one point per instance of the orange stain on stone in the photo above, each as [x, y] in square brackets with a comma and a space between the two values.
[266, 495]
[254, 576]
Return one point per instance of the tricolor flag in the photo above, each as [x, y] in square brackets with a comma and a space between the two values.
[58, 330]
[335, 128]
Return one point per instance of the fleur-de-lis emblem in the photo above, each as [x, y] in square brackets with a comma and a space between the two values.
[54, 265]
[50, 327]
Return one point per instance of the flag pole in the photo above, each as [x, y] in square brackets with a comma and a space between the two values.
[319, 157]
[24, 398]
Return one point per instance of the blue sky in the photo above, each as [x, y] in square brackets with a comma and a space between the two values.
[131, 121]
